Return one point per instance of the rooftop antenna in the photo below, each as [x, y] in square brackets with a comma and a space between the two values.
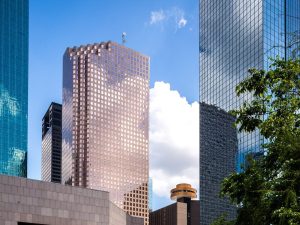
[124, 38]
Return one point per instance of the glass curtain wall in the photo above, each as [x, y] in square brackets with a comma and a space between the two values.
[13, 86]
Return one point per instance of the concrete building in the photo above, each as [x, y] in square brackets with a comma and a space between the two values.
[105, 123]
[51, 144]
[184, 212]
[218, 149]
[13, 87]
[30, 202]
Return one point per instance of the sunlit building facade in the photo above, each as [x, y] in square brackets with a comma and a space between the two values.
[13, 87]
[105, 123]
[236, 35]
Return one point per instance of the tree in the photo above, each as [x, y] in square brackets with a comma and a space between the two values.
[222, 221]
[267, 191]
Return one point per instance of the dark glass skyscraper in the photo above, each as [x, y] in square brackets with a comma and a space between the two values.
[217, 160]
[236, 35]
[51, 144]
[13, 86]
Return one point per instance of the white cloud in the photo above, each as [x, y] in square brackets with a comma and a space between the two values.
[182, 22]
[173, 16]
[8, 103]
[174, 139]
[157, 16]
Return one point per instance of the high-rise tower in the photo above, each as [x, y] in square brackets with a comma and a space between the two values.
[51, 144]
[105, 123]
[13, 86]
[218, 144]
[236, 35]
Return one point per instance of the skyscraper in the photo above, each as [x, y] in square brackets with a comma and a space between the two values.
[217, 160]
[105, 123]
[236, 35]
[51, 144]
[13, 86]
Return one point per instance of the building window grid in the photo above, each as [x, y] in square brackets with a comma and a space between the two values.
[102, 98]
[265, 21]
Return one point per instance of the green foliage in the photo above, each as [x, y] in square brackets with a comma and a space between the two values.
[222, 221]
[268, 190]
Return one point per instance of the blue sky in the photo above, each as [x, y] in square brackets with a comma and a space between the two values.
[166, 30]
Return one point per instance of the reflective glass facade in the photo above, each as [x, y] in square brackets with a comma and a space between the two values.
[292, 16]
[13, 86]
[105, 123]
[232, 41]
[236, 35]
[217, 160]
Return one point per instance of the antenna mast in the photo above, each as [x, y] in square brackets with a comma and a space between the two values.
[124, 38]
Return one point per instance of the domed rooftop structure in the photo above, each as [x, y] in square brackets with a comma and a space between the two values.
[183, 190]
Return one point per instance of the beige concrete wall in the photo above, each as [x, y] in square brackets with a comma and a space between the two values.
[116, 216]
[24, 200]
[134, 220]
[181, 213]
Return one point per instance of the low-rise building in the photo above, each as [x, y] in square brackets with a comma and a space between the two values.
[30, 202]
[184, 212]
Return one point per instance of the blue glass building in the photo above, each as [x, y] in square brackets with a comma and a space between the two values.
[13, 86]
[236, 35]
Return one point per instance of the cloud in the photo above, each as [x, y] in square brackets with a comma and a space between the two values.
[174, 140]
[182, 22]
[8, 103]
[157, 17]
[174, 16]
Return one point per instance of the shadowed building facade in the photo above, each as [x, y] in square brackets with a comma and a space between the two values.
[217, 160]
[236, 35]
[13, 87]
[51, 144]
[105, 123]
